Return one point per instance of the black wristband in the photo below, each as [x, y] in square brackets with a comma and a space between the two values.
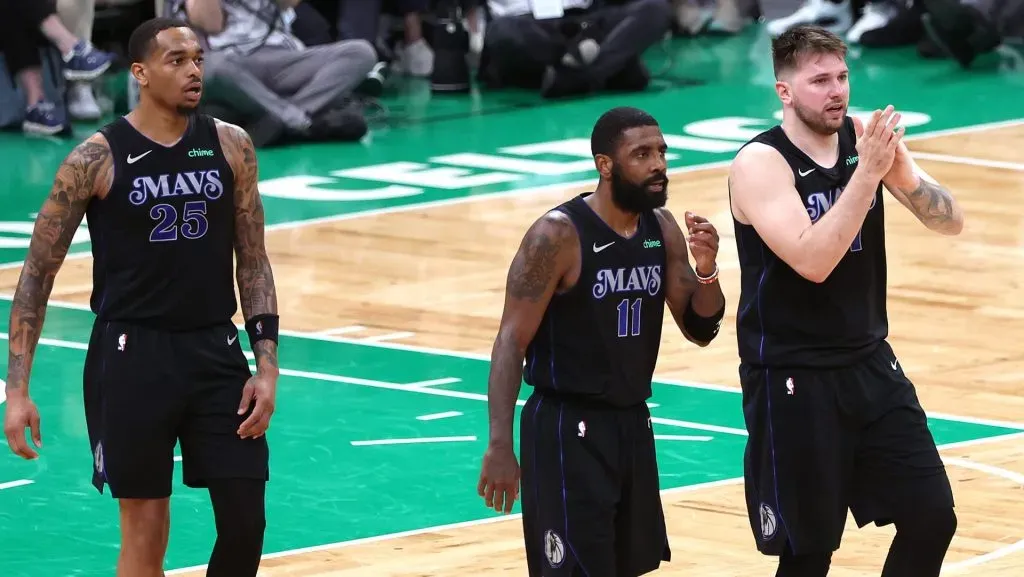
[704, 329]
[262, 327]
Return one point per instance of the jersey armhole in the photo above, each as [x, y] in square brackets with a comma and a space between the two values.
[579, 240]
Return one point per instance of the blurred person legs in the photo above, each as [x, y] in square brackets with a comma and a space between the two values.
[81, 60]
[833, 15]
[360, 19]
[77, 16]
[965, 30]
[306, 91]
[21, 48]
[580, 53]
[721, 17]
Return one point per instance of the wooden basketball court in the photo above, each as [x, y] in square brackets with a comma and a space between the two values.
[390, 257]
[957, 324]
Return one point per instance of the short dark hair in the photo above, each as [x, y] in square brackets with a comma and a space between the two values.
[801, 41]
[143, 38]
[609, 128]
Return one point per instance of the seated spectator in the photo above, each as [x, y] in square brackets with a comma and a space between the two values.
[306, 90]
[586, 49]
[25, 26]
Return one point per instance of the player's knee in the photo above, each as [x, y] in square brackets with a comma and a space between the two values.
[930, 529]
[145, 525]
[805, 565]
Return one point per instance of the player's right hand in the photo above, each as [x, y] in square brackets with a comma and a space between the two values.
[21, 413]
[876, 148]
[499, 478]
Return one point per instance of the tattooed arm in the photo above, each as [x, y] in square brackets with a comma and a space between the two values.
[256, 288]
[545, 257]
[542, 265]
[928, 200]
[85, 172]
[255, 277]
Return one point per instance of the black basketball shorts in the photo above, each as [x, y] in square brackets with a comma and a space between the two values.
[146, 390]
[589, 490]
[825, 441]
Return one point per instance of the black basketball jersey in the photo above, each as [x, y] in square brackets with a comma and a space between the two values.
[599, 340]
[162, 238]
[786, 320]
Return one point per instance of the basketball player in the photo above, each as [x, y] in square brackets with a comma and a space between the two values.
[833, 421]
[584, 302]
[169, 196]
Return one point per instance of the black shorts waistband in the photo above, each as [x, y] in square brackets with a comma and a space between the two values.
[584, 401]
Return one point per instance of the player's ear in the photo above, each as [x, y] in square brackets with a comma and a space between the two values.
[604, 165]
[782, 88]
[139, 72]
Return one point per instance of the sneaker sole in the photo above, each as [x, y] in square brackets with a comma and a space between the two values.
[85, 75]
[35, 128]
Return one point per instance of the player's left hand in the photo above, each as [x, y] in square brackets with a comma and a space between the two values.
[703, 242]
[263, 389]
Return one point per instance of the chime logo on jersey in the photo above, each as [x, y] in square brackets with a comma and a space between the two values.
[192, 183]
[620, 280]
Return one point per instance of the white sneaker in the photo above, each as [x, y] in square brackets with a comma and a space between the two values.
[82, 103]
[418, 58]
[876, 15]
[833, 17]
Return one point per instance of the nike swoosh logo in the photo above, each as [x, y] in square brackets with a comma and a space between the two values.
[894, 364]
[600, 248]
[231, 340]
[134, 159]
[802, 173]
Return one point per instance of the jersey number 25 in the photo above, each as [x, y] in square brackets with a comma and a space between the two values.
[193, 221]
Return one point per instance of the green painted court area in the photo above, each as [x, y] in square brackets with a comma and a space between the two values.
[332, 478]
[710, 96]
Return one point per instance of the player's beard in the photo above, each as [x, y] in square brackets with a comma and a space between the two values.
[818, 121]
[637, 198]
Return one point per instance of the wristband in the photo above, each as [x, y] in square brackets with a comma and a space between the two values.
[708, 279]
[262, 327]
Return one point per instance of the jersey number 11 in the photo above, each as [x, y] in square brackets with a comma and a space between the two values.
[629, 317]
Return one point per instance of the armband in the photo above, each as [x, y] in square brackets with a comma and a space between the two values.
[703, 329]
[262, 327]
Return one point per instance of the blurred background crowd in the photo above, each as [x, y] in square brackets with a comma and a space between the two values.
[299, 70]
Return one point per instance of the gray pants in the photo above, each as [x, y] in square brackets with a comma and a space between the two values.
[294, 85]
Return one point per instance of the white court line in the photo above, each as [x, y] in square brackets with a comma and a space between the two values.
[13, 484]
[343, 330]
[698, 426]
[490, 520]
[388, 337]
[1002, 551]
[682, 438]
[436, 416]
[472, 356]
[981, 162]
[434, 382]
[414, 440]
[553, 187]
